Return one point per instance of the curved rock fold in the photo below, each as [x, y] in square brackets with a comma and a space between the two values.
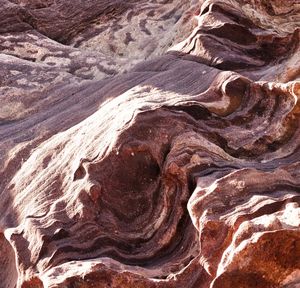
[149, 144]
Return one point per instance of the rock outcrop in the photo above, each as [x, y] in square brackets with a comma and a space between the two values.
[150, 143]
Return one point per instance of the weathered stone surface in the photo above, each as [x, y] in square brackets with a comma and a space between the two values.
[149, 143]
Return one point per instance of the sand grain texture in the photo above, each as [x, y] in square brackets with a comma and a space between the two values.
[149, 144]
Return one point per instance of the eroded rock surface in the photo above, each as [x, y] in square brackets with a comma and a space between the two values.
[150, 143]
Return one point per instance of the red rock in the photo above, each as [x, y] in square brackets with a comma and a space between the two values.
[149, 144]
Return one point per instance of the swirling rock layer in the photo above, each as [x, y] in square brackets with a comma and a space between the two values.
[150, 144]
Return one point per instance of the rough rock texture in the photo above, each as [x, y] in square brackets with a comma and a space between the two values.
[180, 171]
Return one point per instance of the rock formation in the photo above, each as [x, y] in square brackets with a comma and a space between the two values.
[150, 143]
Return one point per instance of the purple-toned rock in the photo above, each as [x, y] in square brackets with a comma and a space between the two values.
[149, 144]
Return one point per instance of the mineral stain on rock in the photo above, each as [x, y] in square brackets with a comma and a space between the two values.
[149, 144]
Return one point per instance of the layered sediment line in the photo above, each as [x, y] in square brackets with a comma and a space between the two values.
[149, 144]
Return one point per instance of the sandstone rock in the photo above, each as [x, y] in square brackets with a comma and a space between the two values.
[149, 143]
